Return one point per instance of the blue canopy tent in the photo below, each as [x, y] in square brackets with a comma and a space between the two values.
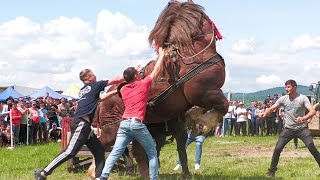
[9, 92]
[45, 90]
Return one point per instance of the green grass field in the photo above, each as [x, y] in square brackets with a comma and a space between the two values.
[223, 158]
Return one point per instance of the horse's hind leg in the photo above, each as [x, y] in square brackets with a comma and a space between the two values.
[128, 162]
[141, 158]
[216, 104]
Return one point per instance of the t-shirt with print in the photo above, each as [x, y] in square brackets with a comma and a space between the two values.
[293, 109]
[42, 115]
[135, 96]
[88, 99]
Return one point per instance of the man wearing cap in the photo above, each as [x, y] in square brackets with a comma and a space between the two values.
[28, 100]
[241, 119]
[267, 100]
[81, 124]
[296, 124]
[55, 133]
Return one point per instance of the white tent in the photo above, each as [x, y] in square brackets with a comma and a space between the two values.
[72, 91]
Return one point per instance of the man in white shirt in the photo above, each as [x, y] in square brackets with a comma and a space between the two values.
[241, 119]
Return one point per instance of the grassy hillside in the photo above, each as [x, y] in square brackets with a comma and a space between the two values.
[261, 95]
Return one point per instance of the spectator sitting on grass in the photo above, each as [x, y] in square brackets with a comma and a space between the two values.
[5, 136]
[55, 133]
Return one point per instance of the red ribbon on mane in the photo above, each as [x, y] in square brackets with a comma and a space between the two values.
[216, 31]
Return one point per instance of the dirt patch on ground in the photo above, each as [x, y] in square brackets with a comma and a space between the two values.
[267, 152]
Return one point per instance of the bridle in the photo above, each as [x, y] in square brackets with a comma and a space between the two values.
[201, 51]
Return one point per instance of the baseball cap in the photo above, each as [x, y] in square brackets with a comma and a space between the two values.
[54, 124]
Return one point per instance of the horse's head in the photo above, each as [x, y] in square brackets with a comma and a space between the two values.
[185, 28]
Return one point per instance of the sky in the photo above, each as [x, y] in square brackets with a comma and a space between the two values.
[46, 42]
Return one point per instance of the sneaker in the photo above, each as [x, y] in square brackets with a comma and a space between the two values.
[270, 174]
[295, 147]
[178, 166]
[38, 176]
[196, 166]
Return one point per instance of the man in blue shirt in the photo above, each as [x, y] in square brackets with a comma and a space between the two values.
[81, 124]
[252, 122]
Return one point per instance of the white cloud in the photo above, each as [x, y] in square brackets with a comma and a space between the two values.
[53, 53]
[117, 35]
[245, 46]
[300, 43]
[269, 80]
[253, 72]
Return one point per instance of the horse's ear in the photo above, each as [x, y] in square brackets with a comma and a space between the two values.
[190, 1]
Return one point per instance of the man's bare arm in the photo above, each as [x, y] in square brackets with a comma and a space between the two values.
[159, 63]
[107, 95]
[115, 80]
[306, 117]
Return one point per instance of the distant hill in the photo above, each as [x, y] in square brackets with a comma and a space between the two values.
[261, 95]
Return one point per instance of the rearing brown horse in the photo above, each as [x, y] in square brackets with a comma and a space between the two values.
[195, 71]
[193, 75]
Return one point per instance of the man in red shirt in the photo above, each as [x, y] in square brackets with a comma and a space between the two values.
[134, 96]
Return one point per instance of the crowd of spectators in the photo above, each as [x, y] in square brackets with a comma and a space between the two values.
[34, 120]
[241, 120]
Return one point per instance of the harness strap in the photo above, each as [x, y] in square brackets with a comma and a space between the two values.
[167, 92]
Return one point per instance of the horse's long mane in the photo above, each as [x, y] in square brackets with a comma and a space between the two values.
[177, 24]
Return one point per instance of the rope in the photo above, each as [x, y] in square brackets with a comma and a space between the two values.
[111, 123]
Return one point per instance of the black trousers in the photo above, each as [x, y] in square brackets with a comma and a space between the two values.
[23, 133]
[270, 126]
[288, 134]
[34, 133]
[80, 135]
[233, 125]
[243, 127]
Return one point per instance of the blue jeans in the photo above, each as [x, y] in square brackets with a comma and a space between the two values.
[130, 130]
[227, 126]
[253, 126]
[199, 141]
